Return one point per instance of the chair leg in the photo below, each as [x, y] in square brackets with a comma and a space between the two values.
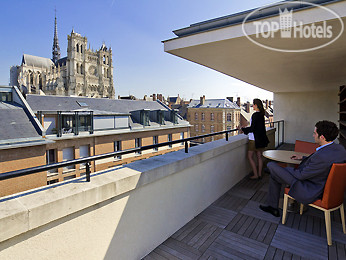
[328, 227]
[301, 209]
[342, 214]
[284, 210]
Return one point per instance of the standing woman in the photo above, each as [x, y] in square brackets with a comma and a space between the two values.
[258, 139]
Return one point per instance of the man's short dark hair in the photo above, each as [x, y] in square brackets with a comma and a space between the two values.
[328, 129]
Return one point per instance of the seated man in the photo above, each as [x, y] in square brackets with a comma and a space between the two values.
[308, 180]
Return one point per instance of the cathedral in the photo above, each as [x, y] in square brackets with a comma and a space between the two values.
[83, 72]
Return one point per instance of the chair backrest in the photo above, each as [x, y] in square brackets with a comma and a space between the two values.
[305, 147]
[333, 194]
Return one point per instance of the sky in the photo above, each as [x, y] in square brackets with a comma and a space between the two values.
[134, 29]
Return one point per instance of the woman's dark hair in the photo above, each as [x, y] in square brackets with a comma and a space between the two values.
[259, 104]
[328, 129]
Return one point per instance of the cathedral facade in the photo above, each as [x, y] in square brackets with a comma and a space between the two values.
[84, 72]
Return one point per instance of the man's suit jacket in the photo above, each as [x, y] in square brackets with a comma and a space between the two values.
[312, 173]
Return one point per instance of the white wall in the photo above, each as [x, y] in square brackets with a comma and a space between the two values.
[123, 213]
[302, 110]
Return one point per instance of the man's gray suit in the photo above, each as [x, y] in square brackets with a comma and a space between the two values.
[308, 180]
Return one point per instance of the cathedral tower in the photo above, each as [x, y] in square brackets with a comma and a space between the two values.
[56, 48]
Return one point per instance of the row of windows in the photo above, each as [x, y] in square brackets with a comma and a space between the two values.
[212, 116]
[212, 128]
[84, 151]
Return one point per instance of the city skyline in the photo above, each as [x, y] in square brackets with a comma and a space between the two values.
[134, 30]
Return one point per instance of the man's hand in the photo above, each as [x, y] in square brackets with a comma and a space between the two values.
[296, 157]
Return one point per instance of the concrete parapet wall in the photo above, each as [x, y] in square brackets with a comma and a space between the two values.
[124, 212]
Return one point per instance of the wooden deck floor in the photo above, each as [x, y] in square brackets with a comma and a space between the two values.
[233, 227]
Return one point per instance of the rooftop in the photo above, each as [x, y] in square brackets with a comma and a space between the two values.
[15, 123]
[62, 103]
[213, 103]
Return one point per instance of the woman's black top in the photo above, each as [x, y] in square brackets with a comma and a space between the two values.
[258, 129]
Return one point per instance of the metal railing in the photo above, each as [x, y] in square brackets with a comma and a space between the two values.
[87, 160]
[279, 133]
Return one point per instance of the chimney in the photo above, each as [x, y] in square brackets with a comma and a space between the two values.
[238, 101]
[230, 99]
[202, 100]
[154, 97]
[159, 97]
[145, 98]
[266, 103]
[248, 107]
[119, 97]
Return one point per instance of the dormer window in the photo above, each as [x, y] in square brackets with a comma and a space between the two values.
[160, 117]
[145, 117]
[174, 117]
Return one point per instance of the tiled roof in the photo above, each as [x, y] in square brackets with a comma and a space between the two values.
[214, 103]
[14, 123]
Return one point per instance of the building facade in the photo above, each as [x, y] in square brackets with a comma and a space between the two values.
[41, 130]
[212, 115]
[83, 72]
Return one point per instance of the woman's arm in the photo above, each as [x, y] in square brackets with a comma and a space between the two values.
[254, 122]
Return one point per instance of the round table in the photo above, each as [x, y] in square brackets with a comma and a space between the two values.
[283, 156]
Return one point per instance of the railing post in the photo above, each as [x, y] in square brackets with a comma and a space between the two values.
[186, 147]
[226, 136]
[87, 173]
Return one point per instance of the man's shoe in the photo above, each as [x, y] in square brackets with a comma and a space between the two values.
[275, 212]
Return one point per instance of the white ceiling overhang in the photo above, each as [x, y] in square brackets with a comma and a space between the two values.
[229, 51]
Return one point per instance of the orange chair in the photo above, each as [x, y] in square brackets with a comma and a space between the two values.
[305, 147]
[333, 198]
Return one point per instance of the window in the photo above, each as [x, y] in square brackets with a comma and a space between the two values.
[81, 69]
[203, 128]
[51, 158]
[229, 117]
[203, 117]
[5, 97]
[212, 116]
[138, 143]
[155, 141]
[117, 148]
[77, 47]
[104, 59]
[67, 123]
[68, 154]
[160, 117]
[196, 116]
[211, 129]
[229, 127]
[145, 117]
[182, 137]
[52, 181]
[84, 152]
[77, 68]
[81, 49]
[84, 123]
[196, 128]
[170, 140]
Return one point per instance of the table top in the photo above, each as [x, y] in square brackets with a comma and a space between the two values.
[283, 156]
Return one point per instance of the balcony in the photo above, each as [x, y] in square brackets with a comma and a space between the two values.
[197, 204]
[233, 227]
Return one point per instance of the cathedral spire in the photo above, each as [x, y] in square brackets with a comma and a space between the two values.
[56, 48]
